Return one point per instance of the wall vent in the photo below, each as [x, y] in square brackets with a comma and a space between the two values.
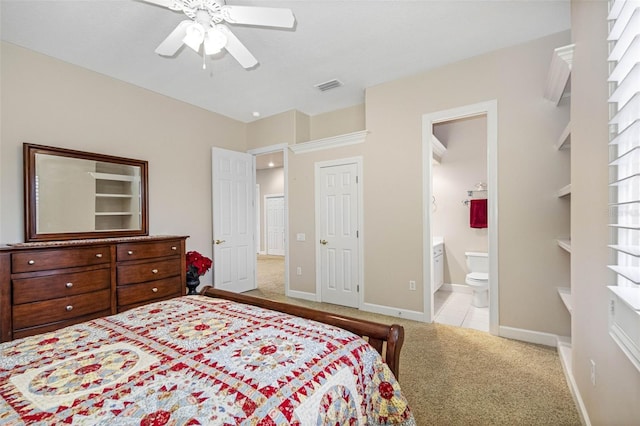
[328, 85]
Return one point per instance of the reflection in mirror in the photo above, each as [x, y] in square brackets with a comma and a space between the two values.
[72, 194]
[75, 195]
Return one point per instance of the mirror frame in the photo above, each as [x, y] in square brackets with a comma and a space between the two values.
[29, 152]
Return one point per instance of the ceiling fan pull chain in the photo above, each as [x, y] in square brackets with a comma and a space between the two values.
[204, 65]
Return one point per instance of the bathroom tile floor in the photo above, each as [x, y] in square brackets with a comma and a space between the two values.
[455, 308]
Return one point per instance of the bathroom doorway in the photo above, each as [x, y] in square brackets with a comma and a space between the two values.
[457, 222]
[460, 165]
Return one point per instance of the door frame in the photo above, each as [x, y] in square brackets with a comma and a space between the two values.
[330, 163]
[490, 110]
[285, 157]
[266, 219]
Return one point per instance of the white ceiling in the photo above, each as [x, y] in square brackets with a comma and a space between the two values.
[361, 43]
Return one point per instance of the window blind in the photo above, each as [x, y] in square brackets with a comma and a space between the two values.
[624, 127]
[624, 173]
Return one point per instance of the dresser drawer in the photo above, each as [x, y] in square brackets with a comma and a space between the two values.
[64, 308]
[52, 326]
[148, 271]
[136, 251]
[40, 260]
[26, 290]
[137, 293]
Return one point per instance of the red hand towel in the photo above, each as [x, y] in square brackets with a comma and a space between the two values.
[478, 213]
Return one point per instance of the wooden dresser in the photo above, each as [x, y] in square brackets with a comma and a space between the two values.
[46, 286]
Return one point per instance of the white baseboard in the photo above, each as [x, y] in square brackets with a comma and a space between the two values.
[456, 288]
[538, 337]
[392, 312]
[564, 352]
[301, 295]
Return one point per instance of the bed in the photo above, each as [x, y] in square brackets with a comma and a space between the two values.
[216, 358]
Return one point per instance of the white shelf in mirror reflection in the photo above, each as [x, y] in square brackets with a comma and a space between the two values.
[114, 196]
[114, 213]
[111, 176]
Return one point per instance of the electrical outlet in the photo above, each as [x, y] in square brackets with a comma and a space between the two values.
[593, 372]
[299, 270]
[412, 285]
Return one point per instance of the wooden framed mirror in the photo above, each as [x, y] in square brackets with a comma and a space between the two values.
[72, 195]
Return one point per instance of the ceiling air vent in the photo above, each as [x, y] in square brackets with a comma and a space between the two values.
[328, 85]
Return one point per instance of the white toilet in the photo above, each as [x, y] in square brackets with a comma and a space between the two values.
[478, 278]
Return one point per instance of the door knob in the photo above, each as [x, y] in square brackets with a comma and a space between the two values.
[220, 241]
[323, 242]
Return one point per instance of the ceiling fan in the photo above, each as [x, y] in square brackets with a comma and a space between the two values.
[206, 28]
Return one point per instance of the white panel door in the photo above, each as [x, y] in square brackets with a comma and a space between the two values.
[275, 225]
[338, 242]
[233, 220]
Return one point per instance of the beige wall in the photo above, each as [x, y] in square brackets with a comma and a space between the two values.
[50, 102]
[339, 122]
[614, 398]
[274, 130]
[462, 167]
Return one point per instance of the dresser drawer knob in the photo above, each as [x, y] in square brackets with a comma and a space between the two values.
[69, 308]
[31, 262]
[155, 271]
[130, 252]
[98, 255]
[68, 285]
[174, 248]
[155, 289]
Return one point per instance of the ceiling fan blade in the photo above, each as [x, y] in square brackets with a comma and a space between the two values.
[263, 16]
[172, 43]
[237, 49]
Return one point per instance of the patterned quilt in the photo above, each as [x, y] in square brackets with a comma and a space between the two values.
[198, 361]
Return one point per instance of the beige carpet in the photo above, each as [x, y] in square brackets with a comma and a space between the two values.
[458, 376]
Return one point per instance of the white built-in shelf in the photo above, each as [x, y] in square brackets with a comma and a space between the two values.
[564, 191]
[437, 149]
[565, 244]
[565, 295]
[559, 73]
[564, 141]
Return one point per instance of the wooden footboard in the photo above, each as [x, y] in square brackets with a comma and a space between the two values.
[377, 334]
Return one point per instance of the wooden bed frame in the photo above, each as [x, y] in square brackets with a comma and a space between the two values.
[377, 334]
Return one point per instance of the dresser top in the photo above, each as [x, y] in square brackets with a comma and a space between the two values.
[89, 242]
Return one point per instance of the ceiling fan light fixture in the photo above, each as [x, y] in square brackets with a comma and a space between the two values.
[214, 41]
[194, 36]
